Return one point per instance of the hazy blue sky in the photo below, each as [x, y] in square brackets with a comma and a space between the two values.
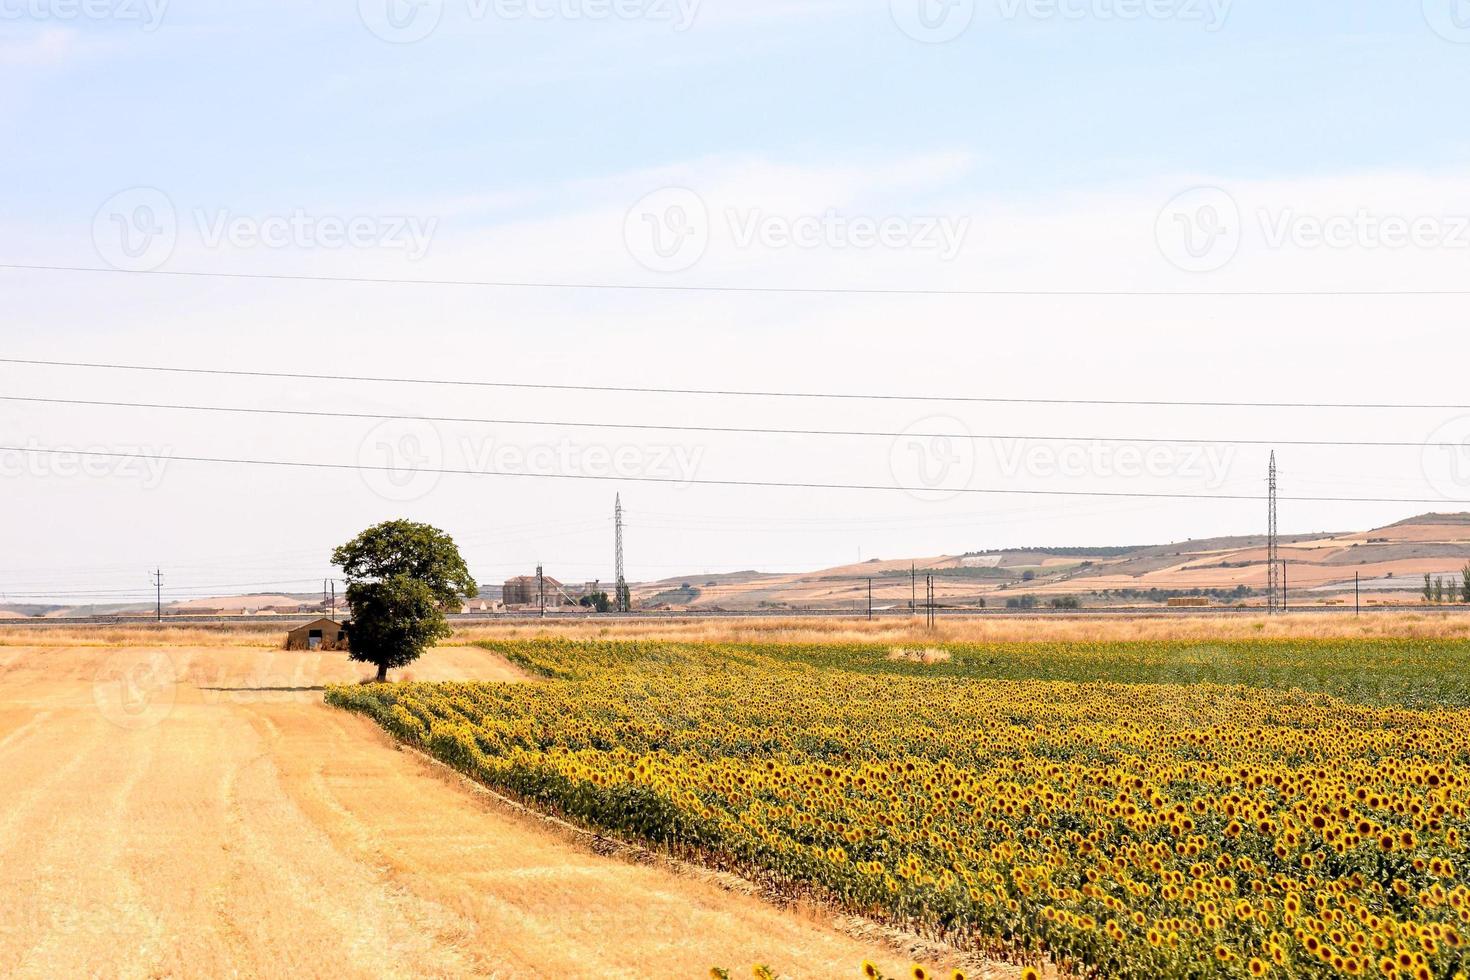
[1134, 145]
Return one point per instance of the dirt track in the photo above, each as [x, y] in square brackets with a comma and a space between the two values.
[197, 812]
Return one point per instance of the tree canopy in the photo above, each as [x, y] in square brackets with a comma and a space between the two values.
[401, 577]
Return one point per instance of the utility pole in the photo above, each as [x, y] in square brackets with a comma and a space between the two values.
[913, 589]
[541, 590]
[625, 599]
[158, 593]
[1273, 602]
[1283, 586]
[1357, 594]
[929, 601]
[870, 600]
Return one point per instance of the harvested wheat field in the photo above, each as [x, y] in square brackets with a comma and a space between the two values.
[197, 811]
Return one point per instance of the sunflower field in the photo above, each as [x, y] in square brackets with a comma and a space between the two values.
[1253, 809]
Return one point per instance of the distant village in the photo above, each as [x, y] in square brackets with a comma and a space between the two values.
[524, 593]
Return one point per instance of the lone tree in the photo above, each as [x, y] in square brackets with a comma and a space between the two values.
[401, 577]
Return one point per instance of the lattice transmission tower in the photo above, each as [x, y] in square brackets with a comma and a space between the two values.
[624, 598]
[1273, 547]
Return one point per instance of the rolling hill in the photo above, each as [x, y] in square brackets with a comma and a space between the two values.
[1391, 563]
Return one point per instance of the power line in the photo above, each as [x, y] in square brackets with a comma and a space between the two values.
[683, 482]
[725, 429]
[747, 393]
[716, 288]
[171, 590]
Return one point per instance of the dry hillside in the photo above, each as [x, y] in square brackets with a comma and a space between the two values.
[1391, 561]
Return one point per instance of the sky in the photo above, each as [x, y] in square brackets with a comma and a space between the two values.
[1112, 200]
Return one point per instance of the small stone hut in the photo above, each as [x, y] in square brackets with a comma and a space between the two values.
[323, 634]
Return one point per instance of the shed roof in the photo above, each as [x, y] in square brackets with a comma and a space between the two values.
[319, 624]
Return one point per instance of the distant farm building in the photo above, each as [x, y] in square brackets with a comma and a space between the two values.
[526, 590]
[523, 590]
[324, 634]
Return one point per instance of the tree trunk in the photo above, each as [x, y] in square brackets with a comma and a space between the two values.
[382, 673]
